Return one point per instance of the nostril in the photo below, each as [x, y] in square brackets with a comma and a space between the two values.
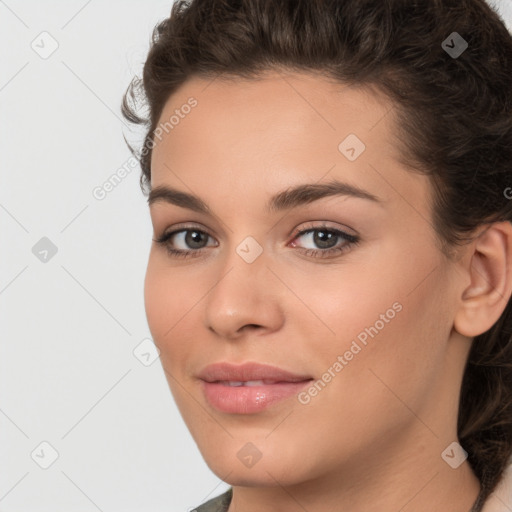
[251, 327]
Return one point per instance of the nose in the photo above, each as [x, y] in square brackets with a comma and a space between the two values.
[245, 297]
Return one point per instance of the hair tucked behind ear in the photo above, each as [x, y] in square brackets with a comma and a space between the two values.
[453, 122]
[485, 411]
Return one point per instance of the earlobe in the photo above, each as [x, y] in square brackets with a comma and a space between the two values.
[490, 270]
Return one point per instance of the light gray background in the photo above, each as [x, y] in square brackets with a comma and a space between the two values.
[70, 325]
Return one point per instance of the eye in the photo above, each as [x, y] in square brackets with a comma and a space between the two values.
[192, 239]
[329, 241]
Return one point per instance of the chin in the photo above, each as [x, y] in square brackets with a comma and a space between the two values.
[268, 471]
[253, 477]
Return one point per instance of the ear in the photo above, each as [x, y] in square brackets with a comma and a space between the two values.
[490, 273]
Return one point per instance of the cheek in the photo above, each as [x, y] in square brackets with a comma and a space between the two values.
[165, 302]
[390, 321]
[348, 306]
[157, 299]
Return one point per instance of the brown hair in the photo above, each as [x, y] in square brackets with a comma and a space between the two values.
[454, 123]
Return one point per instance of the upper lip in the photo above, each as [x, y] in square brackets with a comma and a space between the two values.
[225, 371]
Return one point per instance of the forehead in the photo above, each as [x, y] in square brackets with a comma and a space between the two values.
[278, 102]
[279, 130]
[276, 110]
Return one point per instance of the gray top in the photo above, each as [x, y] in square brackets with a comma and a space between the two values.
[221, 503]
[217, 504]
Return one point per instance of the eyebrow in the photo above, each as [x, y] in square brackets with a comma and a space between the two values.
[285, 200]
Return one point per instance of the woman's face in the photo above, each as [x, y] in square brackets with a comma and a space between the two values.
[368, 319]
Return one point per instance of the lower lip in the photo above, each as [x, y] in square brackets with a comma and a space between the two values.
[249, 399]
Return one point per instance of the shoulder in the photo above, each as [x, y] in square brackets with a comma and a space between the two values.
[500, 500]
[217, 504]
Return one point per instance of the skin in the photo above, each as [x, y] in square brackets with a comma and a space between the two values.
[372, 439]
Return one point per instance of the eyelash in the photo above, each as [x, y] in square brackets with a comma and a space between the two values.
[351, 240]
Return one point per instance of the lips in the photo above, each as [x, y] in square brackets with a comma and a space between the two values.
[248, 373]
[249, 388]
[249, 383]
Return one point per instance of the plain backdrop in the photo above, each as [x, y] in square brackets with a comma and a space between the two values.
[87, 421]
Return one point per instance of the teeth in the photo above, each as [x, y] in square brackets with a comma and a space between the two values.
[241, 383]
